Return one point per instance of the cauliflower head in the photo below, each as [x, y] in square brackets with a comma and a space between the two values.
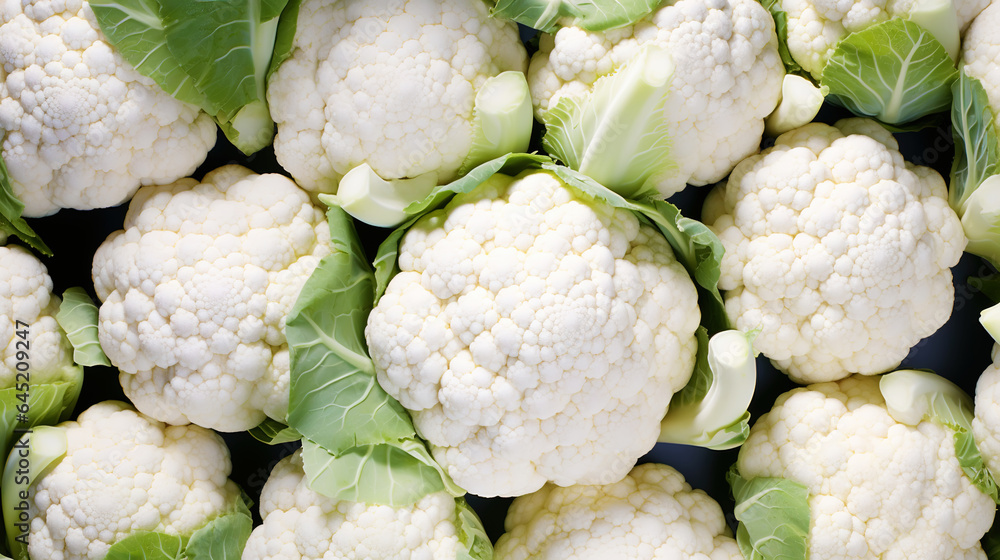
[836, 249]
[986, 424]
[83, 128]
[980, 52]
[300, 524]
[195, 291]
[390, 83]
[534, 335]
[26, 295]
[877, 488]
[650, 514]
[815, 27]
[727, 78]
[124, 472]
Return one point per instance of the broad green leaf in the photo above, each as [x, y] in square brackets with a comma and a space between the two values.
[502, 119]
[694, 245]
[617, 133]
[272, 432]
[35, 453]
[11, 222]
[136, 30]
[711, 410]
[781, 30]
[592, 15]
[974, 191]
[47, 404]
[475, 543]
[895, 71]
[389, 474]
[335, 399]
[223, 538]
[940, 18]
[78, 318]
[774, 517]
[912, 396]
[226, 46]
[147, 545]
[977, 148]
[283, 39]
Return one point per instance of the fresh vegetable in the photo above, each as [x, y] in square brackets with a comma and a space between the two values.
[83, 129]
[215, 54]
[975, 187]
[48, 342]
[652, 513]
[860, 468]
[911, 46]
[117, 484]
[678, 96]
[837, 250]
[406, 87]
[195, 292]
[300, 524]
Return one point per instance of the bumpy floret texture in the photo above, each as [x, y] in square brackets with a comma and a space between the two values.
[534, 335]
[196, 288]
[651, 514]
[727, 78]
[815, 27]
[125, 472]
[300, 524]
[83, 128]
[836, 249]
[878, 489]
[26, 296]
[981, 51]
[389, 83]
[986, 424]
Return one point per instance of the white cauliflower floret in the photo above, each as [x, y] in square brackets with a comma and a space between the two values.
[83, 128]
[534, 335]
[727, 78]
[196, 289]
[651, 514]
[390, 83]
[986, 424]
[815, 27]
[124, 472]
[981, 51]
[878, 489]
[300, 524]
[836, 249]
[26, 296]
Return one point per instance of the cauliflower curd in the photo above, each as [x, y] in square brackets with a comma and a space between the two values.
[196, 289]
[651, 514]
[300, 524]
[878, 489]
[836, 249]
[535, 335]
[727, 78]
[388, 83]
[83, 128]
[123, 473]
[815, 27]
[26, 296]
